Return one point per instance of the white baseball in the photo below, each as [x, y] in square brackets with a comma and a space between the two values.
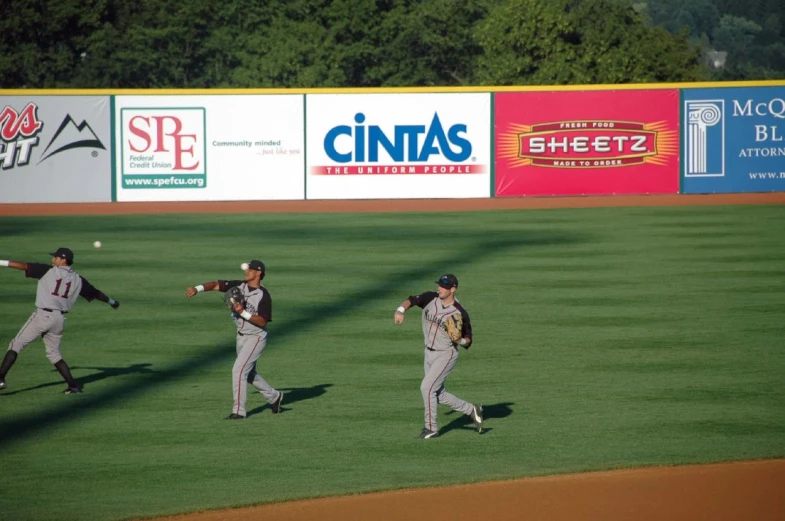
[97, 244]
[244, 266]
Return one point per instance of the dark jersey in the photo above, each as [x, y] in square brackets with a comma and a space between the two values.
[257, 302]
[433, 316]
[59, 286]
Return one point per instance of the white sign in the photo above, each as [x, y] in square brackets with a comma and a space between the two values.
[55, 149]
[393, 146]
[210, 148]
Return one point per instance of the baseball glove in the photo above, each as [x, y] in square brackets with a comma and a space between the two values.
[454, 327]
[235, 294]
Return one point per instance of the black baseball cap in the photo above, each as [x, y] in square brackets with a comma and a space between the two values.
[64, 253]
[256, 265]
[448, 281]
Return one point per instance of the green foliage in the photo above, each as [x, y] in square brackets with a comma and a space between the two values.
[604, 338]
[432, 44]
[751, 33]
[342, 43]
[41, 41]
[576, 42]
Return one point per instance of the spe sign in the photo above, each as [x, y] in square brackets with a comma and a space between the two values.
[163, 141]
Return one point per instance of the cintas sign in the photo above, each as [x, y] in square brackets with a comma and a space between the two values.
[399, 149]
[384, 146]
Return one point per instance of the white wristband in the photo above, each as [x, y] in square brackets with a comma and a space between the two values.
[401, 309]
[112, 301]
[4, 263]
[246, 315]
[199, 288]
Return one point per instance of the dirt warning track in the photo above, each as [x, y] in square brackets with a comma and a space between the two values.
[387, 205]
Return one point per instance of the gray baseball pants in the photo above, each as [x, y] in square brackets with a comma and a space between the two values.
[48, 325]
[438, 366]
[249, 348]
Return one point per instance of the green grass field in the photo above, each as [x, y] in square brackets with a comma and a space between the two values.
[604, 338]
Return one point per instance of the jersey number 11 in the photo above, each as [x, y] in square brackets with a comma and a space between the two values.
[56, 292]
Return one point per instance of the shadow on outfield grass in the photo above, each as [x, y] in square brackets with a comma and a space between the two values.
[294, 395]
[474, 247]
[102, 374]
[489, 412]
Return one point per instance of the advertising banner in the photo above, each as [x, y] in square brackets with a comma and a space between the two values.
[587, 142]
[733, 140]
[55, 149]
[393, 146]
[209, 148]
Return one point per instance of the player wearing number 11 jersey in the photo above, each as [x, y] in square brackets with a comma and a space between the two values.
[59, 286]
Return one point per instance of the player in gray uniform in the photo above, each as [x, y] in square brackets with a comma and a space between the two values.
[441, 353]
[59, 286]
[251, 322]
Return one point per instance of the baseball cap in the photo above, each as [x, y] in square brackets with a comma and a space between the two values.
[448, 281]
[64, 253]
[256, 265]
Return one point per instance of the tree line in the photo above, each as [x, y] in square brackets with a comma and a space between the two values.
[384, 43]
[750, 33]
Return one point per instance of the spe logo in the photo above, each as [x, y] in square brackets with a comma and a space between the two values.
[163, 141]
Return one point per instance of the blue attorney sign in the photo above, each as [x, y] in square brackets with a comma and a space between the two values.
[733, 140]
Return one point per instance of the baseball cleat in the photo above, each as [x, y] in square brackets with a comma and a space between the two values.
[477, 417]
[2, 383]
[234, 416]
[72, 390]
[426, 434]
[277, 404]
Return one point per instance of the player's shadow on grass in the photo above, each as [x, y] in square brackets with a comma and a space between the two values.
[102, 374]
[489, 412]
[476, 246]
[294, 395]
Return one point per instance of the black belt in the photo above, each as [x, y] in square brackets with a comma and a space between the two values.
[429, 349]
[246, 334]
[53, 310]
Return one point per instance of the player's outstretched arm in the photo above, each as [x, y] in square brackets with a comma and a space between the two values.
[401, 310]
[109, 300]
[13, 264]
[191, 291]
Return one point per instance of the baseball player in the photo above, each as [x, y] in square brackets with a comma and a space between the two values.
[445, 326]
[251, 311]
[59, 286]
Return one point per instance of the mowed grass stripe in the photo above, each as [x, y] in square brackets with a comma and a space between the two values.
[604, 338]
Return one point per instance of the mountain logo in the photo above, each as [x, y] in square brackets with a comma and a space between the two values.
[69, 135]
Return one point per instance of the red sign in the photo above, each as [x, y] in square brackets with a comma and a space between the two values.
[587, 142]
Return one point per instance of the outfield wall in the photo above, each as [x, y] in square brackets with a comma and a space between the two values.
[55, 149]
[415, 143]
